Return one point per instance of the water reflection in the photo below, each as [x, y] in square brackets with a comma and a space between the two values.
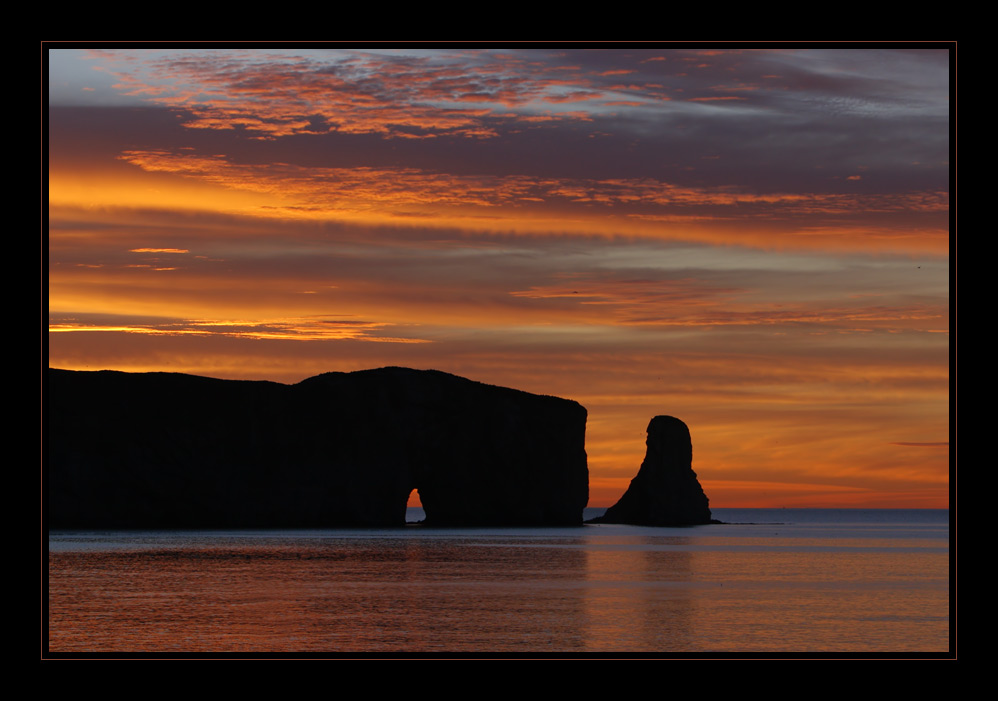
[571, 591]
[339, 595]
[629, 607]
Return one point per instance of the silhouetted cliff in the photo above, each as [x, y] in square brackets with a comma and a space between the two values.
[665, 491]
[166, 450]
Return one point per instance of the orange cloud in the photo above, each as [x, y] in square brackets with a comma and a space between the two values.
[633, 206]
[300, 329]
[367, 93]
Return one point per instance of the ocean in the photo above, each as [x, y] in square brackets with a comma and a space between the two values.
[767, 582]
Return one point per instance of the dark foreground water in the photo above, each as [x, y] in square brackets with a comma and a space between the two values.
[769, 581]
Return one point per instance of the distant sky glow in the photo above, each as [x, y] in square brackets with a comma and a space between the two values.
[754, 240]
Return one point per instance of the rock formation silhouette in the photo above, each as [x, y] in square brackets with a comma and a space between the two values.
[167, 450]
[665, 491]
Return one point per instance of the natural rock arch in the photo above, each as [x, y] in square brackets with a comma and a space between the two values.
[166, 450]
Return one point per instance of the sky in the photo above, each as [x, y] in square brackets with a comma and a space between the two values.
[754, 240]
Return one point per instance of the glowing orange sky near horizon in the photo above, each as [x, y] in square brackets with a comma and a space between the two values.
[800, 328]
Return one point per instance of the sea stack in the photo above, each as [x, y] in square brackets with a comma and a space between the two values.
[665, 491]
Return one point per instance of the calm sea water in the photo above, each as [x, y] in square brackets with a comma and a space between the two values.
[767, 581]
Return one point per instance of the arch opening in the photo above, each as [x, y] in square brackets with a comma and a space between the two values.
[414, 511]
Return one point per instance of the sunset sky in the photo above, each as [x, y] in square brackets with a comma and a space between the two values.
[755, 241]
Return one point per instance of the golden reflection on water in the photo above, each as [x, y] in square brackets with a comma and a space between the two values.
[570, 594]
[634, 603]
[749, 595]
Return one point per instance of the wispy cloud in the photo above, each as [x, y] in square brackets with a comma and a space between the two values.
[410, 192]
[296, 329]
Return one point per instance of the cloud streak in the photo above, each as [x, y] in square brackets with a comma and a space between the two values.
[636, 206]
